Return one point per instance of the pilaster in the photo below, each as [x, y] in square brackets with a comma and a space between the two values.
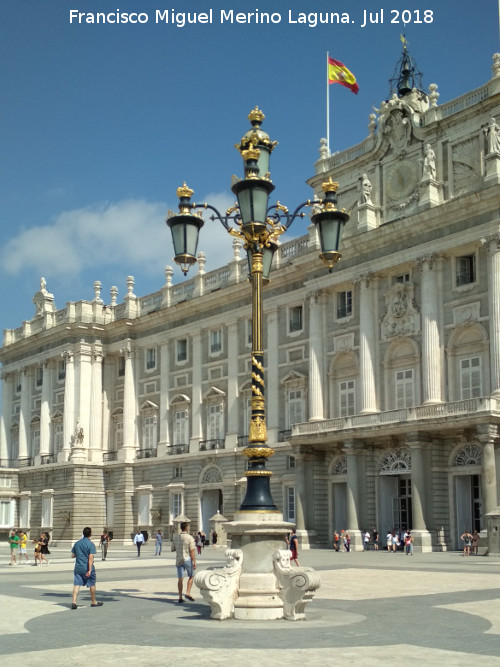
[368, 339]
[316, 361]
[432, 362]
[492, 243]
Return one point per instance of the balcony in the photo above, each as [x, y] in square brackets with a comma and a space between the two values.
[243, 441]
[24, 462]
[149, 453]
[459, 412]
[109, 456]
[47, 458]
[209, 445]
[175, 450]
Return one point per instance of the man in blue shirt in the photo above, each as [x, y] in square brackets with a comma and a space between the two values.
[84, 574]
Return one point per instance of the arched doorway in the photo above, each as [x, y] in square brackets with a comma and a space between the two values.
[211, 495]
[466, 489]
[338, 494]
[394, 490]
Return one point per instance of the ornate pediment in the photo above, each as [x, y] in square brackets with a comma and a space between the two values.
[401, 317]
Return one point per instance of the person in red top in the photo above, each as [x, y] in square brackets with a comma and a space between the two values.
[294, 548]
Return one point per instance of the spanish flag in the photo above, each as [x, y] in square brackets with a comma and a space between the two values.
[338, 73]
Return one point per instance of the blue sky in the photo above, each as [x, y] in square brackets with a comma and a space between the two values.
[101, 123]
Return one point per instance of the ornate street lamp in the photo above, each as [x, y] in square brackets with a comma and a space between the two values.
[259, 226]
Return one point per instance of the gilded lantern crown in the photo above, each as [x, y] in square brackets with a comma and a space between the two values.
[256, 134]
[184, 191]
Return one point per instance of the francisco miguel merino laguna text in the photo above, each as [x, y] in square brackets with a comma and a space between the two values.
[310, 19]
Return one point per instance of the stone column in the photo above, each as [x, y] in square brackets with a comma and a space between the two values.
[316, 361]
[304, 495]
[164, 440]
[368, 338]
[418, 442]
[492, 242]
[352, 450]
[197, 401]
[128, 451]
[272, 376]
[69, 421]
[6, 417]
[45, 409]
[24, 426]
[232, 386]
[487, 434]
[432, 362]
[95, 427]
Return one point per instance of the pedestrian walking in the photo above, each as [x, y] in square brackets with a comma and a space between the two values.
[14, 547]
[138, 541]
[23, 540]
[158, 542]
[185, 560]
[104, 544]
[84, 573]
[294, 548]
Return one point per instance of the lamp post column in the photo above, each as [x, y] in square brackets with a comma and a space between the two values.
[258, 496]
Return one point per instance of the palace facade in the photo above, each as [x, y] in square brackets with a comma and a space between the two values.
[382, 377]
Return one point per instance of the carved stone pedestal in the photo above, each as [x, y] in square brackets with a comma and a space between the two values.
[265, 587]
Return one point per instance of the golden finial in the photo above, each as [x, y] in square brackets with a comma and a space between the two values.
[329, 185]
[256, 115]
[184, 191]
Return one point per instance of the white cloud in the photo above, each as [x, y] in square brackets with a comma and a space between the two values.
[126, 233]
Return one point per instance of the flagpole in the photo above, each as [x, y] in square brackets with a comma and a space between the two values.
[328, 105]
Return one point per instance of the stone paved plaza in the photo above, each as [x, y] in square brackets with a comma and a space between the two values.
[372, 608]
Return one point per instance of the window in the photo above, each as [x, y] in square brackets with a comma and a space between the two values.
[290, 462]
[470, 377]
[35, 440]
[403, 278]
[177, 472]
[24, 512]
[466, 270]
[176, 500]
[344, 304]
[181, 424]
[17, 383]
[249, 332]
[61, 369]
[47, 507]
[290, 503]
[110, 509]
[118, 439]
[149, 432]
[295, 319]
[404, 389]
[181, 347]
[6, 513]
[215, 426]
[144, 508]
[347, 398]
[216, 341]
[39, 376]
[150, 358]
[121, 367]
[58, 437]
[295, 407]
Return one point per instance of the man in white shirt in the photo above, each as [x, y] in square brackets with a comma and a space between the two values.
[138, 541]
[185, 559]
[366, 539]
